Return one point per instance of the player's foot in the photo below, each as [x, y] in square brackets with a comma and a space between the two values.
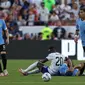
[23, 72]
[5, 72]
[1, 74]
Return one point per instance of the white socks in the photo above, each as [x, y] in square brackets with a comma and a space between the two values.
[34, 71]
[32, 66]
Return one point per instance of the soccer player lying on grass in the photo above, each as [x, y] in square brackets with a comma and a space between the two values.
[44, 68]
[80, 68]
[56, 59]
[77, 70]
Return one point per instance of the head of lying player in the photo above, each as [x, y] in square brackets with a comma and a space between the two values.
[51, 49]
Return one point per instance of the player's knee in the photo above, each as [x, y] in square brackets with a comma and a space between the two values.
[40, 65]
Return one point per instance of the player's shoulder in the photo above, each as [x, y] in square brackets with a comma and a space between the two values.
[1, 20]
[54, 53]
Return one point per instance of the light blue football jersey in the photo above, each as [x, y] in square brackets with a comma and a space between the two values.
[63, 69]
[2, 27]
[81, 26]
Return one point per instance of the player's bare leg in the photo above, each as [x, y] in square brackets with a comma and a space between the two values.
[29, 68]
[4, 62]
[34, 71]
[1, 72]
[81, 67]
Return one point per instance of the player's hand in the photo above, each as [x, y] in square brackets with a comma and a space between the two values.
[7, 41]
[76, 37]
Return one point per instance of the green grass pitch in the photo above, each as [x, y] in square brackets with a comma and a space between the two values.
[15, 78]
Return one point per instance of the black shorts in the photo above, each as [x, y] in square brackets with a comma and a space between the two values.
[2, 47]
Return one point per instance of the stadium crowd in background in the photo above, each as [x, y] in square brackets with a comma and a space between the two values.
[38, 12]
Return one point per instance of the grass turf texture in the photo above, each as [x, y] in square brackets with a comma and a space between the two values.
[15, 78]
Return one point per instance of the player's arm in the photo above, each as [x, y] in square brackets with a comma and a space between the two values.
[7, 36]
[79, 66]
[76, 37]
[48, 58]
[77, 32]
[5, 32]
[69, 63]
[43, 60]
[40, 63]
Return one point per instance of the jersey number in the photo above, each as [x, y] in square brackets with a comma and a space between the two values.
[59, 61]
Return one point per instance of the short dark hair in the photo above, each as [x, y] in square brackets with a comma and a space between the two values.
[82, 8]
[51, 49]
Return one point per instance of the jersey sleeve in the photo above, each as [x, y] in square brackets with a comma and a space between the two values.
[77, 24]
[49, 57]
[4, 25]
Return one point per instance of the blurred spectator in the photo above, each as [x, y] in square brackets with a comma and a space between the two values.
[58, 1]
[36, 2]
[70, 35]
[24, 14]
[40, 36]
[25, 4]
[5, 4]
[46, 32]
[22, 11]
[75, 10]
[82, 3]
[16, 3]
[49, 4]
[35, 37]
[72, 17]
[1, 13]
[53, 37]
[17, 37]
[27, 37]
[57, 8]
[31, 19]
[12, 1]
[59, 32]
[20, 21]
[34, 11]
[13, 30]
[71, 2]
[65, 11]
[53, 18]
[44, 14]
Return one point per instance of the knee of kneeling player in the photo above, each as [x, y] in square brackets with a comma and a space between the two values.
[40, 65]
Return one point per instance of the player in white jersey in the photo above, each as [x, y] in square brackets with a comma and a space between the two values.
[56, 59]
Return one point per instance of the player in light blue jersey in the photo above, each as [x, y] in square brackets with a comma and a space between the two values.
[3, 32]
[76, 70]
[80, 24]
